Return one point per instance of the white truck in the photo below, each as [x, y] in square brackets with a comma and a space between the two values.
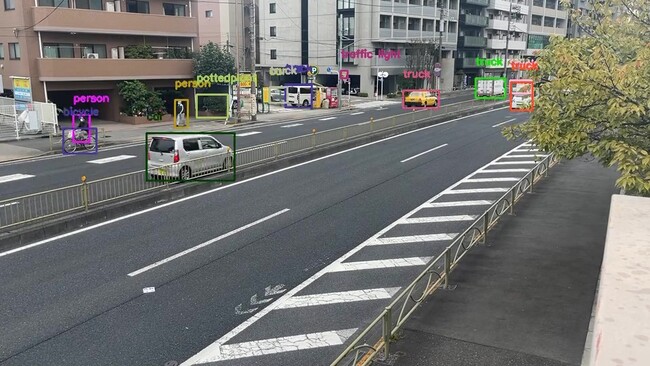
[485, 88]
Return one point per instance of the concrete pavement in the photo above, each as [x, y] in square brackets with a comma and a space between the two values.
[527, 299]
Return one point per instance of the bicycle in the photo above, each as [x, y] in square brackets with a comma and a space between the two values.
[81, 136]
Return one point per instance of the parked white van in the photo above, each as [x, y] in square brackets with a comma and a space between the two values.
[299, 95]
[183, 156]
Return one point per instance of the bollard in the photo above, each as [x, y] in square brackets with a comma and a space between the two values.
[372, 123]
[313, 138]
[84, 192]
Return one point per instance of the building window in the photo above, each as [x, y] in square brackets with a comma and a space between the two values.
[414, 24]
[428, 25]
[99, 49]
[137, 6]
[208, 13]
[550, 4]
[273, 31]
[399, 23]
[174, 9]
[346, 4]
[58, 50]
[537, 42]
[274, 54]
[10, 4]
[539, 3]
[59, 3]
[272, 8]
[348, 26]
[549, 21]
[384, 21]
[2, 51]
[536, 20]
[89, 4]
[14, 51]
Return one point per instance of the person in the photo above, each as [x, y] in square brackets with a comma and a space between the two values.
[180, 117]
[82, 129]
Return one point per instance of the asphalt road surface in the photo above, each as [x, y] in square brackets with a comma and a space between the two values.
[42, 174]
[80, 298]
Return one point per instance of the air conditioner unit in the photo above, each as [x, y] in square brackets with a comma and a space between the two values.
[92, 55]
[110, 6]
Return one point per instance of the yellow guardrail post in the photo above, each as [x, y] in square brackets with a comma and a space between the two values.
[84, 192]
[372, 123]
[313, 138]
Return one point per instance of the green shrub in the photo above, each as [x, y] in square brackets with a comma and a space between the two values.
[363, 94]
[139, 100]
[139, 51]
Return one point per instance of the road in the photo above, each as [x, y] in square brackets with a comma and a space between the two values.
[43, 174]
[78, 299]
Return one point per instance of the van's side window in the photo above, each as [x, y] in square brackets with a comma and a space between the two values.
[191, 144]
[209, 143]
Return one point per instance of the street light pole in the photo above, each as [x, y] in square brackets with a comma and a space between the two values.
[252, 56]
[338, 83]
[237, 62]
[505, 59]
[442, 27]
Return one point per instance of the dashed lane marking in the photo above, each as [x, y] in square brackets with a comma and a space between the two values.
[13, 177]
[381, 263]
[339, 297]
[271, 346]
[247, 133]
[356, 113]
[292, 125]
[111, 159]
[326, 118]
[458, 203]
[477, 190]
[423, 220]
[503, 123]
[410, 239]
[422, 153]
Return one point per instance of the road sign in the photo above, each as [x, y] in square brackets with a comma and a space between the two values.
[344, 74]
[382, 74]
[331, 70]
[437, 70]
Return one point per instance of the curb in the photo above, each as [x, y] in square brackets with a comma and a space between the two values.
[31, 233]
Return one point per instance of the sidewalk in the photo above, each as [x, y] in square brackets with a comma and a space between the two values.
[527, 299]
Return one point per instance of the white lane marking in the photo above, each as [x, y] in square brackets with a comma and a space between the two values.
[422, 153]
[363, 123]
[381, 263]
[13, 177]
[526, 156]
[327, 118]
[339, 297]
[528, 144]
[458, 203]
[424, 220]
[271, 346]
[525, 150]
[409, 239]
[211, 241]
[356, 113]
[477, 190]
[292, 125]
[262, 313]
[513, 162]
[111, 159]
[503, 123]
[477, 180]
[247, 133]
[235, 184]
[502, 170]
[9, 204]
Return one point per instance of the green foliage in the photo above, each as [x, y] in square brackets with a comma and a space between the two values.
[139, 51]
[212, 59]
[178, 53]
[594, 97]
[139, 100]
[216, 106]
[363, 94]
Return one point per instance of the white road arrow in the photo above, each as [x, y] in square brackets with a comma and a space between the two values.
[275, 290]
[239, 311]
[255, 301]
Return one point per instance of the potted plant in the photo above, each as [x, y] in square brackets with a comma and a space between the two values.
[141, 105]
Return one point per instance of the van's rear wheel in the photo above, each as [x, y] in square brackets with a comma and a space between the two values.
[305, 103]
[186, 173]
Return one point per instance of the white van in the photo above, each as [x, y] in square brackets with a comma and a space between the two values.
[299, 95]
[183, 156]
[498, 88]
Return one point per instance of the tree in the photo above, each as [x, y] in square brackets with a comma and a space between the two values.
[139, 100]
[422, 55]
[594, 92]
[212, 59]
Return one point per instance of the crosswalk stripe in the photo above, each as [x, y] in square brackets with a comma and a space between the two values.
[458, 203]
[339, 297]
[423, 220]
[217, 352]
[524, 149]
[248, 133]
[13, 177]
[525, 156]
[381, 263]
[411, 239]
[513, 162]
[477, 190]
[502, 170]
[111, 159]
[482, 180]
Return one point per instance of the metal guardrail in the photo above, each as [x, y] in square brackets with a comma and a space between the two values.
[33, 207]
[375, 340]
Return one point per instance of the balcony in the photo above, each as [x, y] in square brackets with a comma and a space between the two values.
[505, 6]
[106, 22]
[499, 44]
[471, 41]
[81, 69]
[474, 20]
[502, 24]
[547, 30]
[467, 63]
[476, 2]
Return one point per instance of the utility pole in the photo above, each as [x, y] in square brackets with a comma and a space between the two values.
[237, 9]
[252, 55]
[338, 83]
[442, 28]
[505, 60]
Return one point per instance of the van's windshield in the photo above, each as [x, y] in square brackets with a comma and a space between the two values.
[162, 144]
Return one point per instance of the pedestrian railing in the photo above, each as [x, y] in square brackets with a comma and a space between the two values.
[374, 342]
[37, 206]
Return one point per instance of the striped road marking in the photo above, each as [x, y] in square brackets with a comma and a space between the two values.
[513, 162]
[382, 263]
[458, 203]
[477, 180]
[13, 177]
[410, 239]
[326, 119]
[292, 125]
[503, 123]
[248, 133]
[526, 156]
[502, 170]
[339, 297]
[216, 352]
[423, 220]
[111, 159]
[477, 190]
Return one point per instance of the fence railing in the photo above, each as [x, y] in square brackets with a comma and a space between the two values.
[11, 127]
[33, 207]
[375, 340]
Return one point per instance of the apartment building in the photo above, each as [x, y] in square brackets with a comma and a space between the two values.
[503, 14]
[88, 46]
[307, 32]
[547, 18]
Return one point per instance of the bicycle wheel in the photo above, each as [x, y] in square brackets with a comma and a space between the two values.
[91, 145]
[69, 146]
